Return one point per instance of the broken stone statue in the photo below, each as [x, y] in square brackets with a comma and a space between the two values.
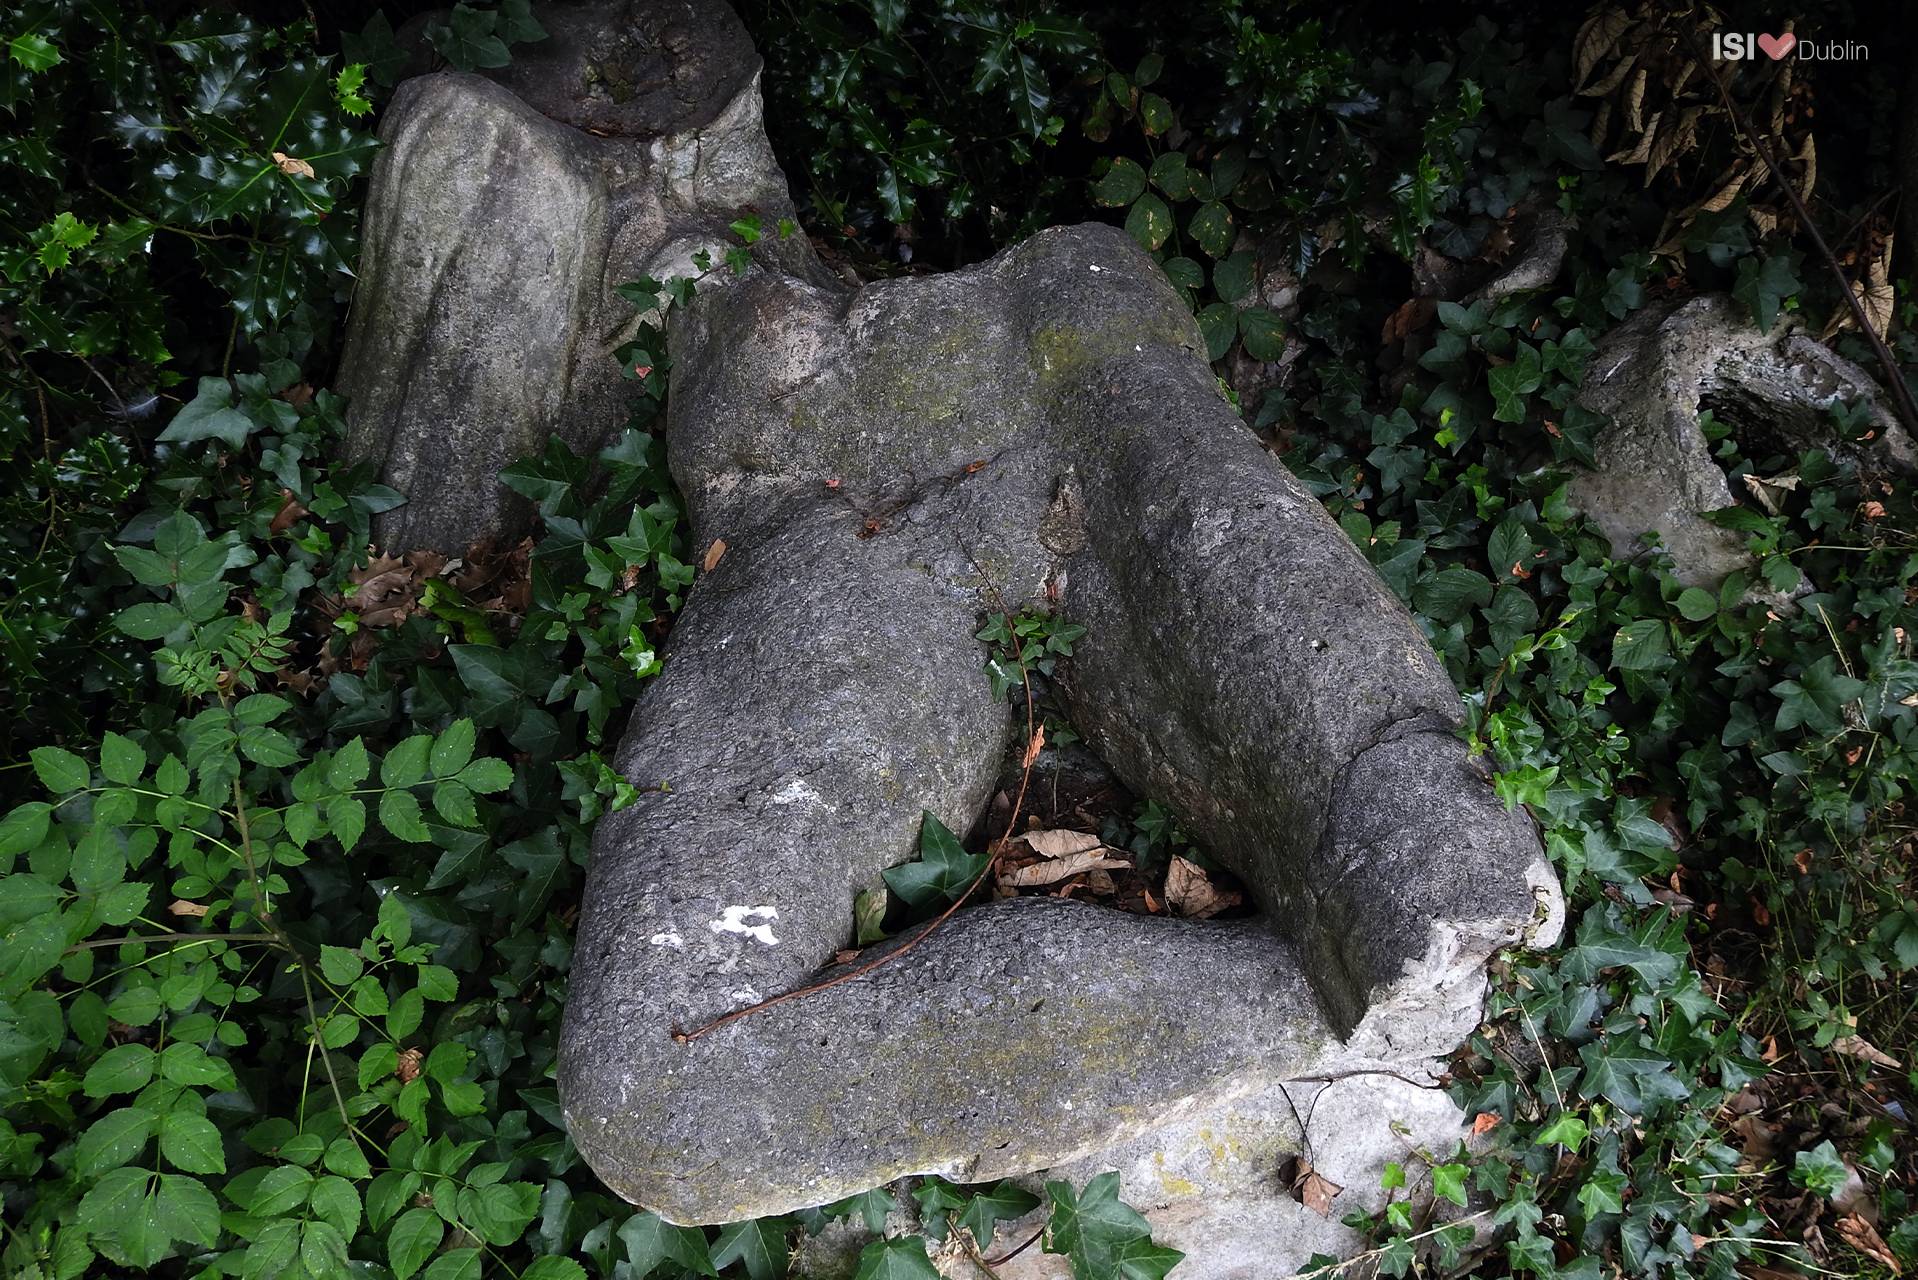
[888, 466]
[1657, 373]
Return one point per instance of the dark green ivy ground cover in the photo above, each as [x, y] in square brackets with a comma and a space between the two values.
[286, 896]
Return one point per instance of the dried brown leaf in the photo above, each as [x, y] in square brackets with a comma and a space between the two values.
[1864, 1237]
[1635, 101]
[1863, 1049]
[1673, 141]
[290, 512]
[1640, 150]
[1808, 157]
[1054, 870]
[1597, 37]
[292, 165]
[1769, 491]
[1317, 1192]
[1059, 843]
[1190, 894]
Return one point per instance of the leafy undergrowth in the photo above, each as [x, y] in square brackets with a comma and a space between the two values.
[290, 870]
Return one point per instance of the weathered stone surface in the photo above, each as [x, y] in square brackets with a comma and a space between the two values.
[1217, 1183]
[887, 467]
[497, 228]
[822, 686]
[1657, 372]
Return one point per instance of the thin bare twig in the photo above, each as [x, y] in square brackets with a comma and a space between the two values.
[130, 939]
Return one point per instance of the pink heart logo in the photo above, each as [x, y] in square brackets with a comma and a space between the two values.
[1776, 47]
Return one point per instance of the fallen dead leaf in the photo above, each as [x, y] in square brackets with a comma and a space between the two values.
[1190, 894]
[293, 165]
[713, 553]
[290, 511]
[1316, 1191]
[1859, 1047]
[1769, 491]
[1059, 843]
[1054, 870]
[181, 907]
[1756, 1138]
[1864, 1237]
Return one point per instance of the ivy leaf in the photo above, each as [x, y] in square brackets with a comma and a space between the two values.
[1696, 605]
[943, 871]
[1002, 1203]
[1568, 1131]
[500, 1213]
[1091, 1228]
[760, 1244]
[1511, 383]
[1820, 1170]
[650, 1240]
[870, 1206]
[210, 415]
[1603, 1192]
[1144, 1260]
[897, 1258]
[554, 1268]
[1764, 283]
[467, 41]
[517, 24]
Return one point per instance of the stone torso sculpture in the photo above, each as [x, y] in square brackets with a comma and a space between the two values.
[887, 466]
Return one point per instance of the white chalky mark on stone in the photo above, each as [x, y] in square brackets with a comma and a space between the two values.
[745, 995]
[668, 939]
[797, 791]
[733, 920]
